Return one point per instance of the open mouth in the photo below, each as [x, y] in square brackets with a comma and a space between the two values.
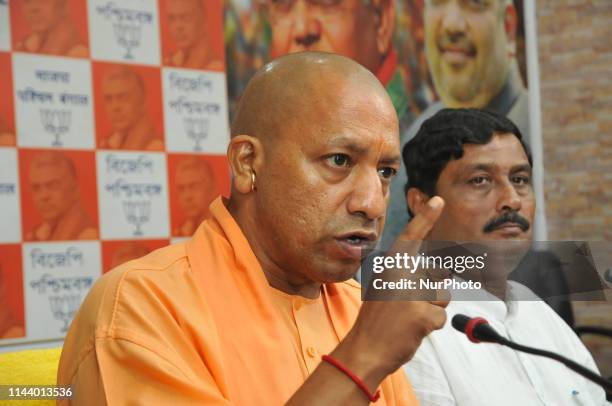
[355, 244]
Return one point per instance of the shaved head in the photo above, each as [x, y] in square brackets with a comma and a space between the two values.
[315, 143]
[295, 89]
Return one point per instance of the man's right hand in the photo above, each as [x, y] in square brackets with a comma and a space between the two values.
[387, 333]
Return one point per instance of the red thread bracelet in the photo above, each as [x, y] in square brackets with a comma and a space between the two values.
[373, 397]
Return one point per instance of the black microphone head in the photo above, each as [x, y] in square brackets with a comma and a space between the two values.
[460, 321]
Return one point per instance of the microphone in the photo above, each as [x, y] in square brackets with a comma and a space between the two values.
[477, 329]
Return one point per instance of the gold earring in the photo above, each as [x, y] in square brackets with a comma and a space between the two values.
[253, 187]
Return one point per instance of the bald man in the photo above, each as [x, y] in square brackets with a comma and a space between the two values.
[57, 199]
[243, 312]
[362, 30]
[125, 103]
[195, 189]
[187, 27]
[51, 29]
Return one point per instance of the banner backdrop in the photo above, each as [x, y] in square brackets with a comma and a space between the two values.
[113, 131]
[114, 116]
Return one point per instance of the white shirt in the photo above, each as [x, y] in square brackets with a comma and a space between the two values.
[448, 369]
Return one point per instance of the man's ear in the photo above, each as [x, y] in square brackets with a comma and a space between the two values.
[385, 13]
[245, 156]
[416, 199]
[511, 27]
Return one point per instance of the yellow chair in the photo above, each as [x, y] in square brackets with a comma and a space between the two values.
[29, 367]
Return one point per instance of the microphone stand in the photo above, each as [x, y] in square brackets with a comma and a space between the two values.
[478, 329]
[574, 366]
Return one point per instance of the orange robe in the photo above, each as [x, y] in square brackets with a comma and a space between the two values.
[198, 323]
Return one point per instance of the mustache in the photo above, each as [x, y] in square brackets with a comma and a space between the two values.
[456, 40]
[508, 217]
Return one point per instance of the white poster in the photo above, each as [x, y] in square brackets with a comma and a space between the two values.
[53, 102]
[9, 196]
[133, 195]
[57, 277]
[125, 31]
[5, 27]
[195, 111]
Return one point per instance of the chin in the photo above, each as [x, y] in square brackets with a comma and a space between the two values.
[342, 274]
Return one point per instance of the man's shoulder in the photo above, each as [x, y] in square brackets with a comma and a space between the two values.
[164, 272]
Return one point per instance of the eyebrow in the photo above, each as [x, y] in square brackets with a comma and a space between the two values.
[359, 149]
[490, 166]
[348, 143]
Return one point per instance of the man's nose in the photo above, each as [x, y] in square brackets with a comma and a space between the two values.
[369, 196]
[307, 27]
[509, 199]
[453, 20]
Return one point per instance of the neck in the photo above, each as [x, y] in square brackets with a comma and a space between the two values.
[287, 281]
[70, 224]
[198, 51]
[59, 38]
[139, 136]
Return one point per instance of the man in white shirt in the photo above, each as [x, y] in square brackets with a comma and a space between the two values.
[477, 162]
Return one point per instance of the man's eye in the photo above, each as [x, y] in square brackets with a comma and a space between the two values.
[387, 172]
[478, 180]
[341, 160]
[521, 180]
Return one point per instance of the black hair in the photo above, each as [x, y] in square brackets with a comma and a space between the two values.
[441, 138]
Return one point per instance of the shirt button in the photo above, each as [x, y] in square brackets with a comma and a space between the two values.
[296, 305]
[311, 351]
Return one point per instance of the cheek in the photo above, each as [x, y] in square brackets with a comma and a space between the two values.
[463, 218]
[485, 40]
[341, 38]
[528, 207]
[280, 41]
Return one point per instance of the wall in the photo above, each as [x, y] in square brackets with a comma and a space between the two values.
[575, 54]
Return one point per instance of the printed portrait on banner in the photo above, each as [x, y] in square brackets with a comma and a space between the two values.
[57, 194]
[192, 34]
[428, 54]
[52, 27]
[12, 323]
[7, 110]
[128, 107]
[194, 182]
